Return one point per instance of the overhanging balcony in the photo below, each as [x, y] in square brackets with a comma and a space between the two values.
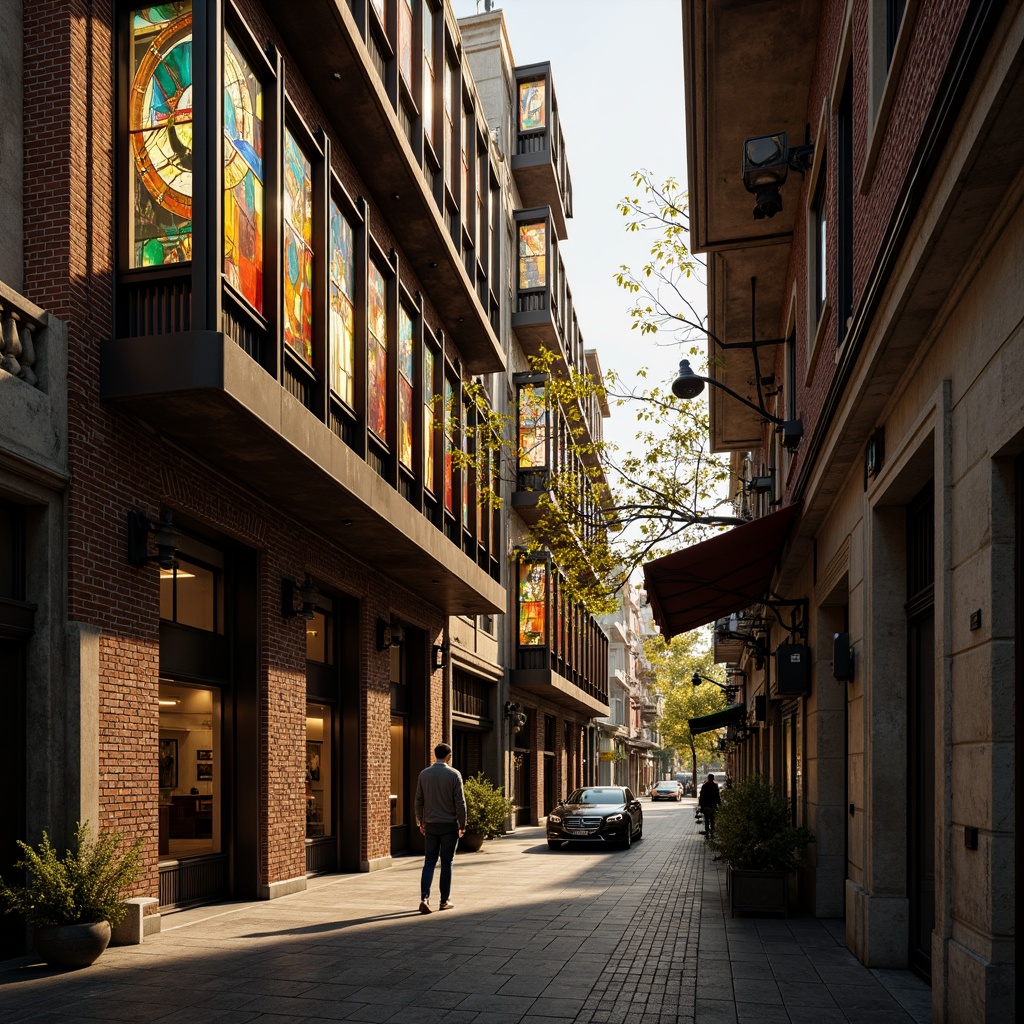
[202, 391]
[562, 652]
[538, 162]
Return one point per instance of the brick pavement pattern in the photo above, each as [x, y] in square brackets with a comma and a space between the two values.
[581, 935]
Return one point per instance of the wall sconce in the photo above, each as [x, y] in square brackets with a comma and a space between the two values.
[440, 653]
[307, 593]
[389, 634]
[516, 713]
[689, 385]
[166, 536]
[759, 484]
[766, 163]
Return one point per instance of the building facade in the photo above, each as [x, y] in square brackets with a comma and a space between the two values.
[875, 600]
[259, 287]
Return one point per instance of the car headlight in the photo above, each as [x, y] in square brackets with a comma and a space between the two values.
[554, 819]
[613, 818]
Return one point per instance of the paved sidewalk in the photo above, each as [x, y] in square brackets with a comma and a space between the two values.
[536, 937]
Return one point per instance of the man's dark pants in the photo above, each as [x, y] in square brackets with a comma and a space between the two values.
[439, 840]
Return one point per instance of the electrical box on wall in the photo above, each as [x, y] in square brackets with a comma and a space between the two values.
[761, 709]
[793, 670]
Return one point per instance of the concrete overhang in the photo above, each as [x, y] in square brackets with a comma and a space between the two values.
[204, 392]
[748, 66]
[326, 47]
[549, 685]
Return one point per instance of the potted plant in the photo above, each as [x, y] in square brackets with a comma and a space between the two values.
[755, 836]
[487, 809]
[72, 901]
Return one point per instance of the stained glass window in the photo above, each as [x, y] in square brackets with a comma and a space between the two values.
[298, 249]
[343, 297]
[464, 184]
[533, 255]
[377, 352]
[429, 468]
[532, 114]
[243, 176]
[405, 9]
[533, 578]
[427, 106]
[405, 371]
[160, 134]
[533, 427]
[449, 444]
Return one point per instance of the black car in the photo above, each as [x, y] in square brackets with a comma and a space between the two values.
[597, 814]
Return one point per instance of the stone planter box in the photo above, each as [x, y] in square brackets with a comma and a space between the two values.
[758, 892]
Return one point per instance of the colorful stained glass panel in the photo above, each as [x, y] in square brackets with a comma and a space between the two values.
[533, 427]
[532, 604]
[377, 352]
[533, 255]
[298, 249]
[405, 396]
[449, 480]
[160, 134]
[429, 468]
[243, 176]
[343, 294]
[532, 114]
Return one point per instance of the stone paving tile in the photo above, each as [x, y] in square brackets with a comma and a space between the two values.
[642, 936]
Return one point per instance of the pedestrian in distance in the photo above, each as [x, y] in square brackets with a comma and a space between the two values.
[441, 817]
[708, 801]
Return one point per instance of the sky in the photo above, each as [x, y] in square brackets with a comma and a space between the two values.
[618, 76]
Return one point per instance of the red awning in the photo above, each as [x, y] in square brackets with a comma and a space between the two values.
[717, 577]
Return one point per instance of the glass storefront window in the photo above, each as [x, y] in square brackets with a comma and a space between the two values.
[189, 770]
[318, 770]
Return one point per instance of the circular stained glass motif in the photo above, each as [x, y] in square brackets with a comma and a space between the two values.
[160, 117]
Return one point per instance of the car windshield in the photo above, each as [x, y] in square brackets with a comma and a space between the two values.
[599, 795]
[666, 786]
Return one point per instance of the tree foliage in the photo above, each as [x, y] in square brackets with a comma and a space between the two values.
[674, 665]
[608, 510]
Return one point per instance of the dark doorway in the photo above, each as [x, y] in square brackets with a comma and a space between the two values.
[1018, 760]
[16, 626]
[920, 609]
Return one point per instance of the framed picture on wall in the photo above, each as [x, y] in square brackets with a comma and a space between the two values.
[204, 755]
[313, 760]
[168, 764]
[204, 770]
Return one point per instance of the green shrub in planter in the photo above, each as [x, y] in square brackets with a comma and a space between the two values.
[753, 831]
[487, 807]
[80, 887]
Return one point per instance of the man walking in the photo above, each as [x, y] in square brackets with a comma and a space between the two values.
[441, 816]
[708, 801]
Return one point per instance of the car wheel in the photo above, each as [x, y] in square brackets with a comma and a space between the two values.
[628, 841]
[639, 834]
[554, 844]
[678, 798]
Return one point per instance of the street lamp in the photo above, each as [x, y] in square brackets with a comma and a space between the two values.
[689, 385]
[730, 689]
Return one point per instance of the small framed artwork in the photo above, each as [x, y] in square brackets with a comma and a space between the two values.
[168, 764]
[204, 755]
[204, 770]
[313, 760]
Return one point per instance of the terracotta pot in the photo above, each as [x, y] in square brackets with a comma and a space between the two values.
[470, 842]
[71, 945]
